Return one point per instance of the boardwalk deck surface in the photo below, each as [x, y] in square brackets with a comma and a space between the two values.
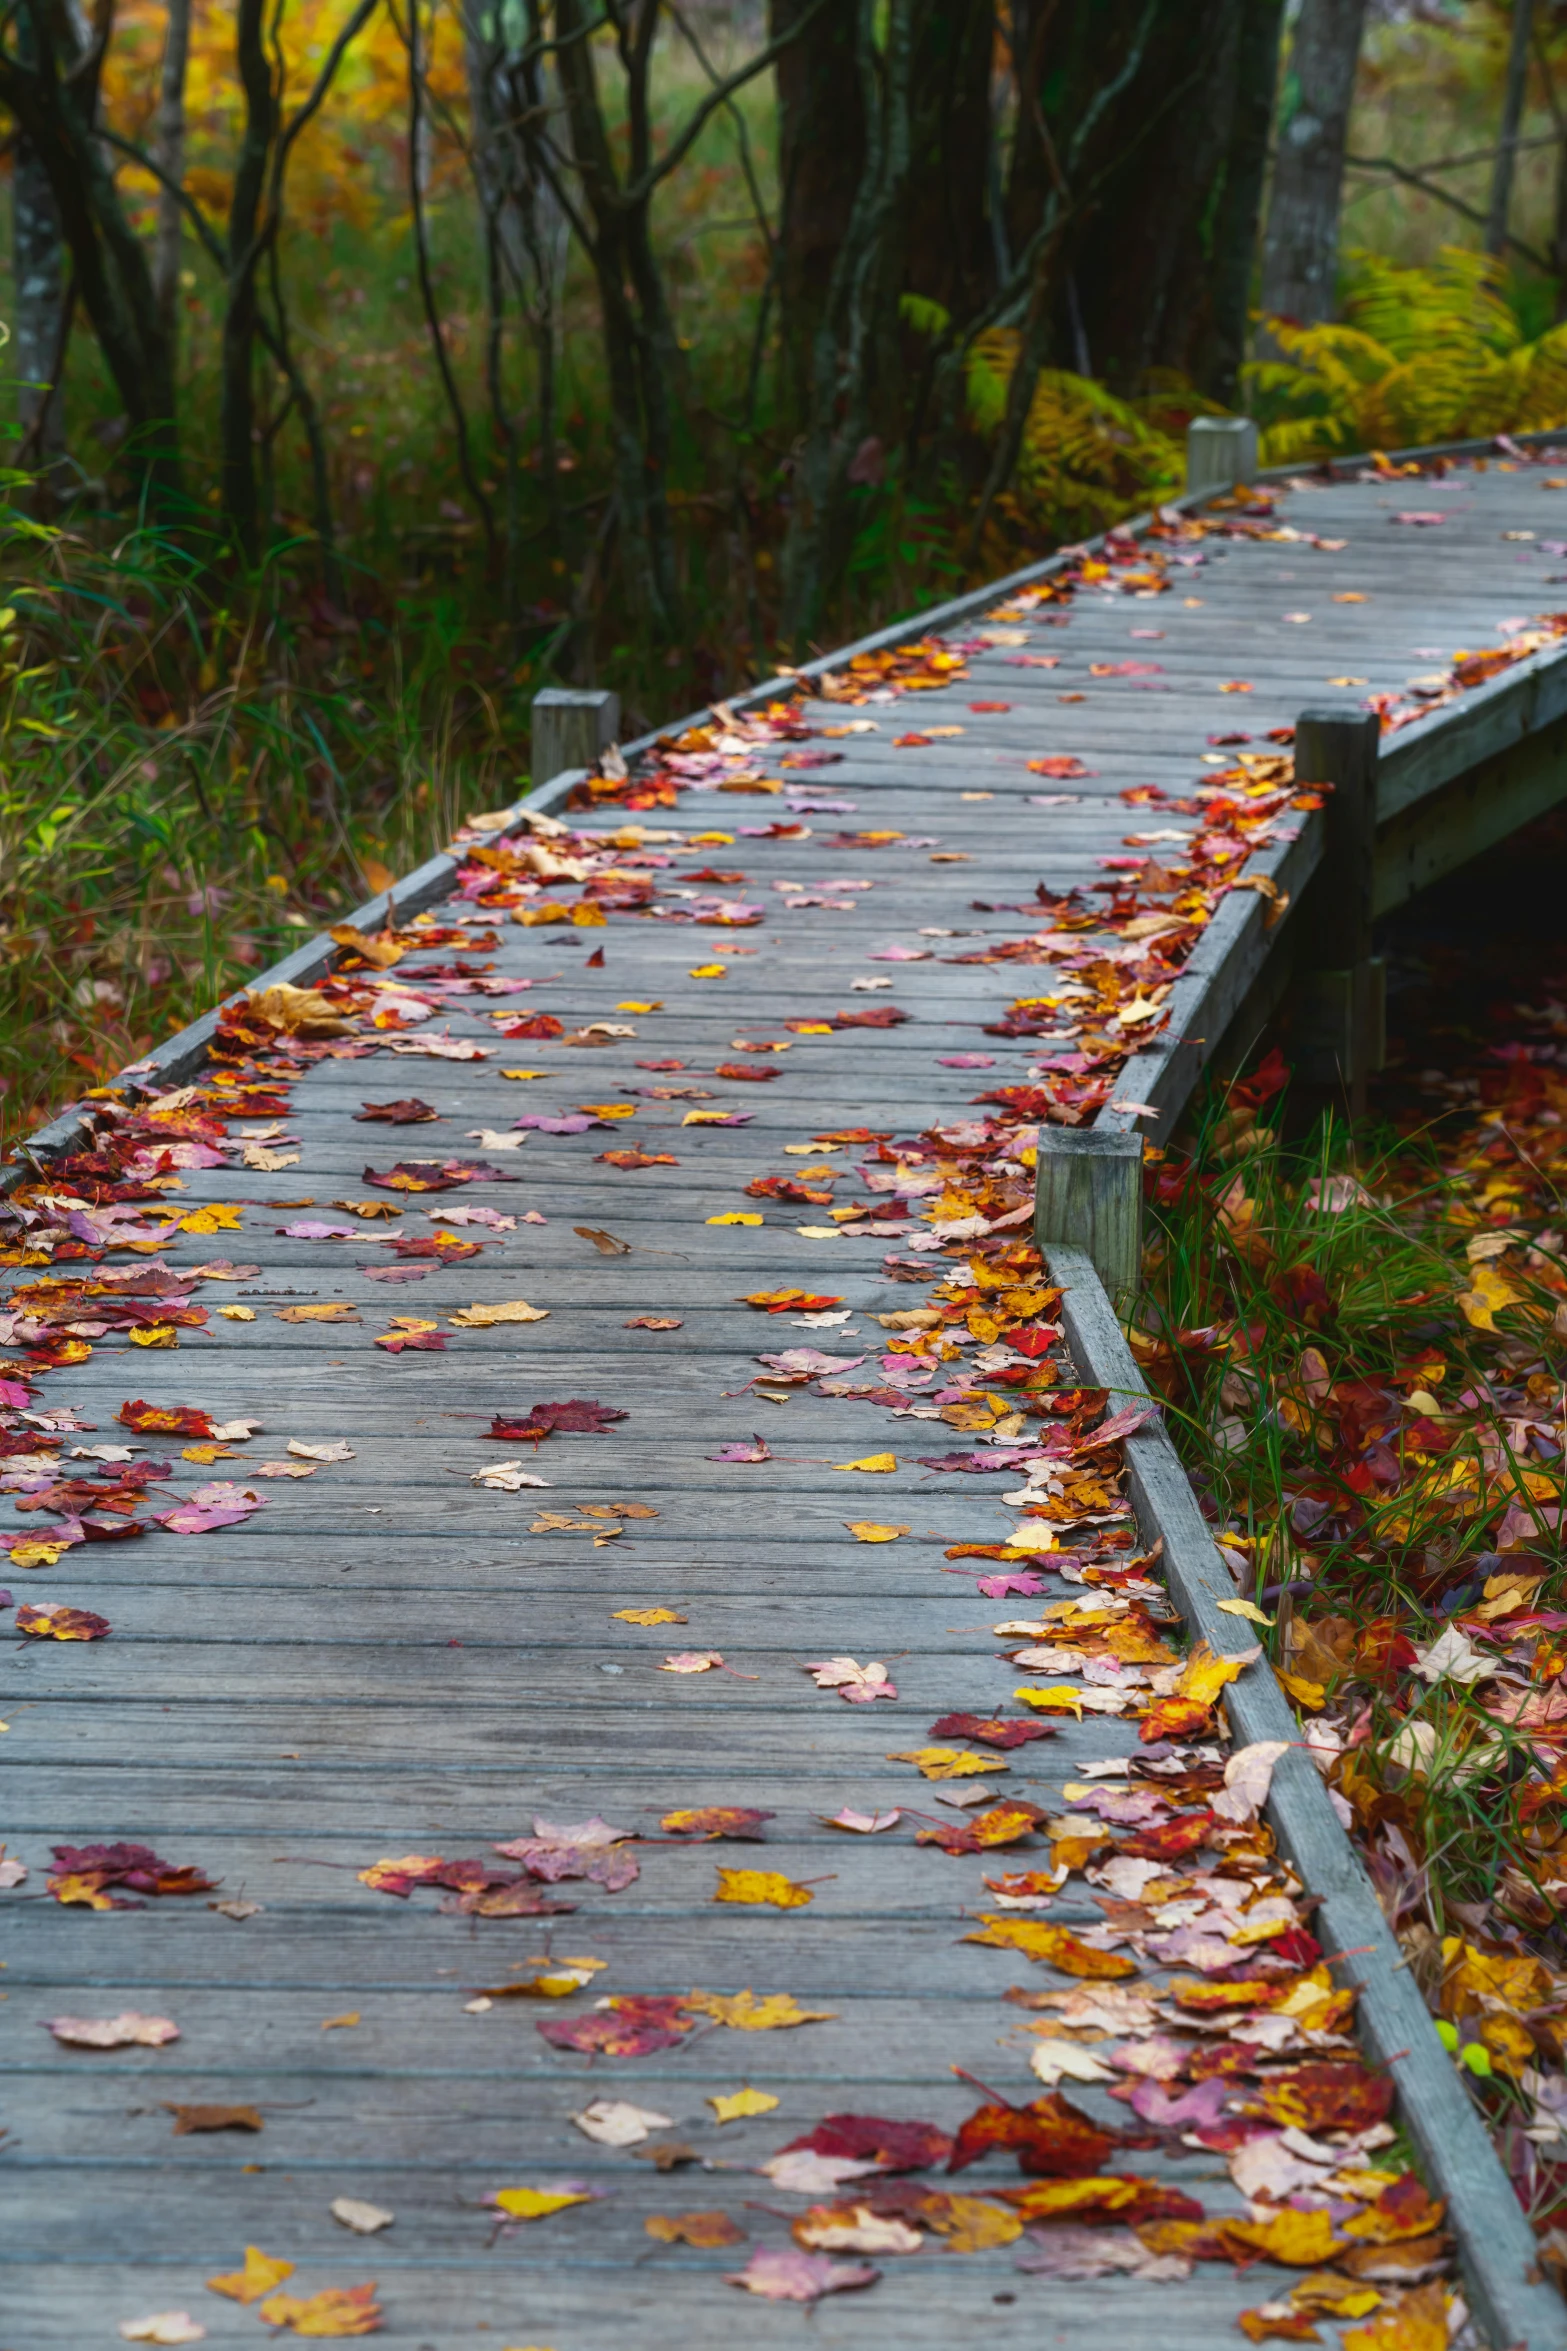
[386, 1660]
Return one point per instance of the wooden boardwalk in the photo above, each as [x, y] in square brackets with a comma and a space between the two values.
[387, 1659]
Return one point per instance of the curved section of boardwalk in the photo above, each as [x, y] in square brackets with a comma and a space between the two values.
[389, 1660]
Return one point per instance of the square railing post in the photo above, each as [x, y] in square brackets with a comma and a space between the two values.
[573, 726]
[1221, 452]
[1088, 1195]
[1340, 1020]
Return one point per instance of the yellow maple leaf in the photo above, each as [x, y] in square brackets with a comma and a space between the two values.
[762, 1885]
[866, 1530]
[261, 2273]
[1300, 2240]
[879, 1462]
[1059, 1698]
[1057, 1945]
[745, 2012]
[1205, 1675]
[534, 2203]
[1312, 1695]
[155, 1334]
[648, 1616]
[735, 1216]
[1488, 1290]
[737, 2105]
[218, 1216]
[948, 1763]
[970, 2224]
[710, 971]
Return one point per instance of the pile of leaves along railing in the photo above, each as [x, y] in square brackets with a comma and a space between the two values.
[1242, 2044]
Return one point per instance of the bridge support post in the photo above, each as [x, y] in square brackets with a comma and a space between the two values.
[1340, 1012]
[572, 727]
[1220, 452]
[1088, 1195]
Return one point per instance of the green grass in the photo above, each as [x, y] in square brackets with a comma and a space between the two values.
[1275, 1329]
[188, 787]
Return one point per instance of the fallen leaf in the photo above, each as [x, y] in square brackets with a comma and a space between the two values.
[761, 1886]
[364, 2219]
[336, 2311]
[691, 1661]
[866, 1530]
[946, 1763]
[1248, 1775]
[338, 2024]
[853, 2228]
[333, 1311]
[338, 1449]
[716, 1820]
[705, 2230]
[483, 1318]
[734, 1216]
[740, 2105]
[859, 1684]
[648, 1616]
[538, 2203]
[880, 1463]
[1056, 1945]
[261, 2273]
[506, 1477]
[1246, 1608]
[801, 2277]
[863, 1824]
[212, 2118]
[163, 2326]
[51, 1621]
[128, 2030]
[614, 2123]
[654, 1322]
[1418, 2322]
[748, 2012]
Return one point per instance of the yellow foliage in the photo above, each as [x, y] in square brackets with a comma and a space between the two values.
[1087, 458]
[1420, 355]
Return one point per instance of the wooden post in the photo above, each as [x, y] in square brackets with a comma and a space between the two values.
[1220, 451]
[572, 727]
[1088, 1195]
[1340, 1022]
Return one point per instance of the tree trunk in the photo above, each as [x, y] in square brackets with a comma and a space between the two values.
[1513, 91]
[950, 255]
[855, 352]
[237, 403]
[821, 156]
[1141, 135]
[639, 342]
[51, 89]
[1146, 183]
[39, 263]
[1300, 250]
[169, 154]
[1239, 210]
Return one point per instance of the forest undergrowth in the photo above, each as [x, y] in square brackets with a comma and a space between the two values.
[1361, 1336]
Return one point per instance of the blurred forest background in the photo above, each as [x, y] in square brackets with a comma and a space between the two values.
[373, 363]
